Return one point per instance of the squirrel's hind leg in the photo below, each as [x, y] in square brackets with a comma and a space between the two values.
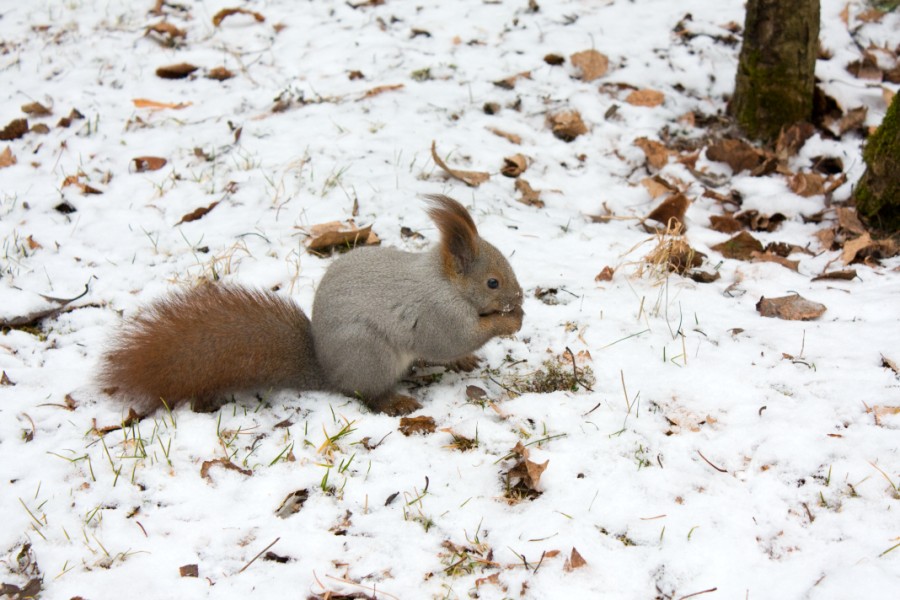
[393, 404]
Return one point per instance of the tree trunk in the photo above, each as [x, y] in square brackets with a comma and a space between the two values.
[877, 194]
[776, 73]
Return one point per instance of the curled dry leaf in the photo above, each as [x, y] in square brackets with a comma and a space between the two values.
[14, 130]
[844, 275]
[793, 265]
[189, 570]
[177, 71]
[725, 223]
[219, 74]
[197, 213]
[227, 12]
[512, 137]
[155, 105]
[669, 214]
[591, 63]
[510, 82]
[36, 109]
[807, 184]
[649, 98]
[470, 178]
[525, 474]
[221, 462]
[656, 153]
[605, 275]
[7, 158]
[790, 308]
[567, 125]
[168, 32]
[742, 246]
[423, 425]
[375, 91]
[575, 561]
[658, 186]
[75, 180]
[148, 163]
[513, 166]
[530, 196]
[737, 154]
[292, 503]
[336, 235]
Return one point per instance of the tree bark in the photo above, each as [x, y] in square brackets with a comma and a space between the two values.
[776, 72]
[877, 194]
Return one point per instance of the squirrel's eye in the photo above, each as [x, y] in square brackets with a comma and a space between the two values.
[493, 283]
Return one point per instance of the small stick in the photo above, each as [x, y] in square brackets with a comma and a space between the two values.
[575, 371]
[719, 469]
[258, 555]
[698, 593]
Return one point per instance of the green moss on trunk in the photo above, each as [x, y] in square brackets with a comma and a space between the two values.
[877, 194]
[776, 73]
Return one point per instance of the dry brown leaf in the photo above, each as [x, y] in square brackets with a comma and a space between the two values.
[328, 236]
[493, 578]
[881, 411]
[470, 178]
[167, 30]
[592, 64]
[7, 158]
[153, 104]
[844, 275]
[669, 214]
[36, 109]
[567, 125]
[756, 221]
[605, 275]
[656, 153]
[793, 265]
[177, 71]
[792, 138]
[512, 137]
[422, 425]
[375, 91]
[575, 561]
[826, 237]
[75, 180]
[510, 82]
[219, 74]
[791, 308]
[32, 243]
[742, 246]
[530, 196]
[855, 246]
[885, 362]
[725, 223]
[737, 154]
[525, 473]
[513, 166]
[14, 130]
[5, 380]
[197, 213]
[807, 184]
[227, 12]
[649, 98]
[221, 462]
[189, 570]
[853, 119]
[148, 163]
[554, 59]
[658, 186]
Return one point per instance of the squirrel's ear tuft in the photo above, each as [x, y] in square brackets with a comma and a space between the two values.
[459, 237]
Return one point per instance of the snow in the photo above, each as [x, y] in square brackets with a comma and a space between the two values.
[776, 481]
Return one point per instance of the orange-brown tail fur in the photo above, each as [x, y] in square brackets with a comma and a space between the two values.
[201, 344]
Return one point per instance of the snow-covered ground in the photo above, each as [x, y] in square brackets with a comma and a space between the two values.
[720, 452]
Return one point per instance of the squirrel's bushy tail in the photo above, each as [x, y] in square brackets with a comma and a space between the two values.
[201, 344]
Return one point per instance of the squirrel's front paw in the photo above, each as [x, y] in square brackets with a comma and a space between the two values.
[467, 363]
[510, 322]
[395, 405]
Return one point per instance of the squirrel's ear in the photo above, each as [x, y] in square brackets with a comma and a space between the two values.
[459, 237]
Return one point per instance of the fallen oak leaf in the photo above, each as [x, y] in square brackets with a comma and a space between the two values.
[740, 246]
[227, 12]
[737, 154]
[36, 109]
[791, 308]
[470, 178]
[423, 425]
[658, 186]
[530, 196]
[669, 214]
[807, 184]
[148, 163]
[844, 275]
[197, 213]
[567, 125]
[513, 166]
[7, 158]
[656, 153]
[14, 130]
[591, 63]
[647, 98]
[221, 462]
[177, 71]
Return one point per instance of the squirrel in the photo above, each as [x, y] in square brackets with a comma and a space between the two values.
[376, 312]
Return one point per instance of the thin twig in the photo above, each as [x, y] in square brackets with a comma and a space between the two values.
[719, 469]
[698, 593]
[575, 371]
[258, 555]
